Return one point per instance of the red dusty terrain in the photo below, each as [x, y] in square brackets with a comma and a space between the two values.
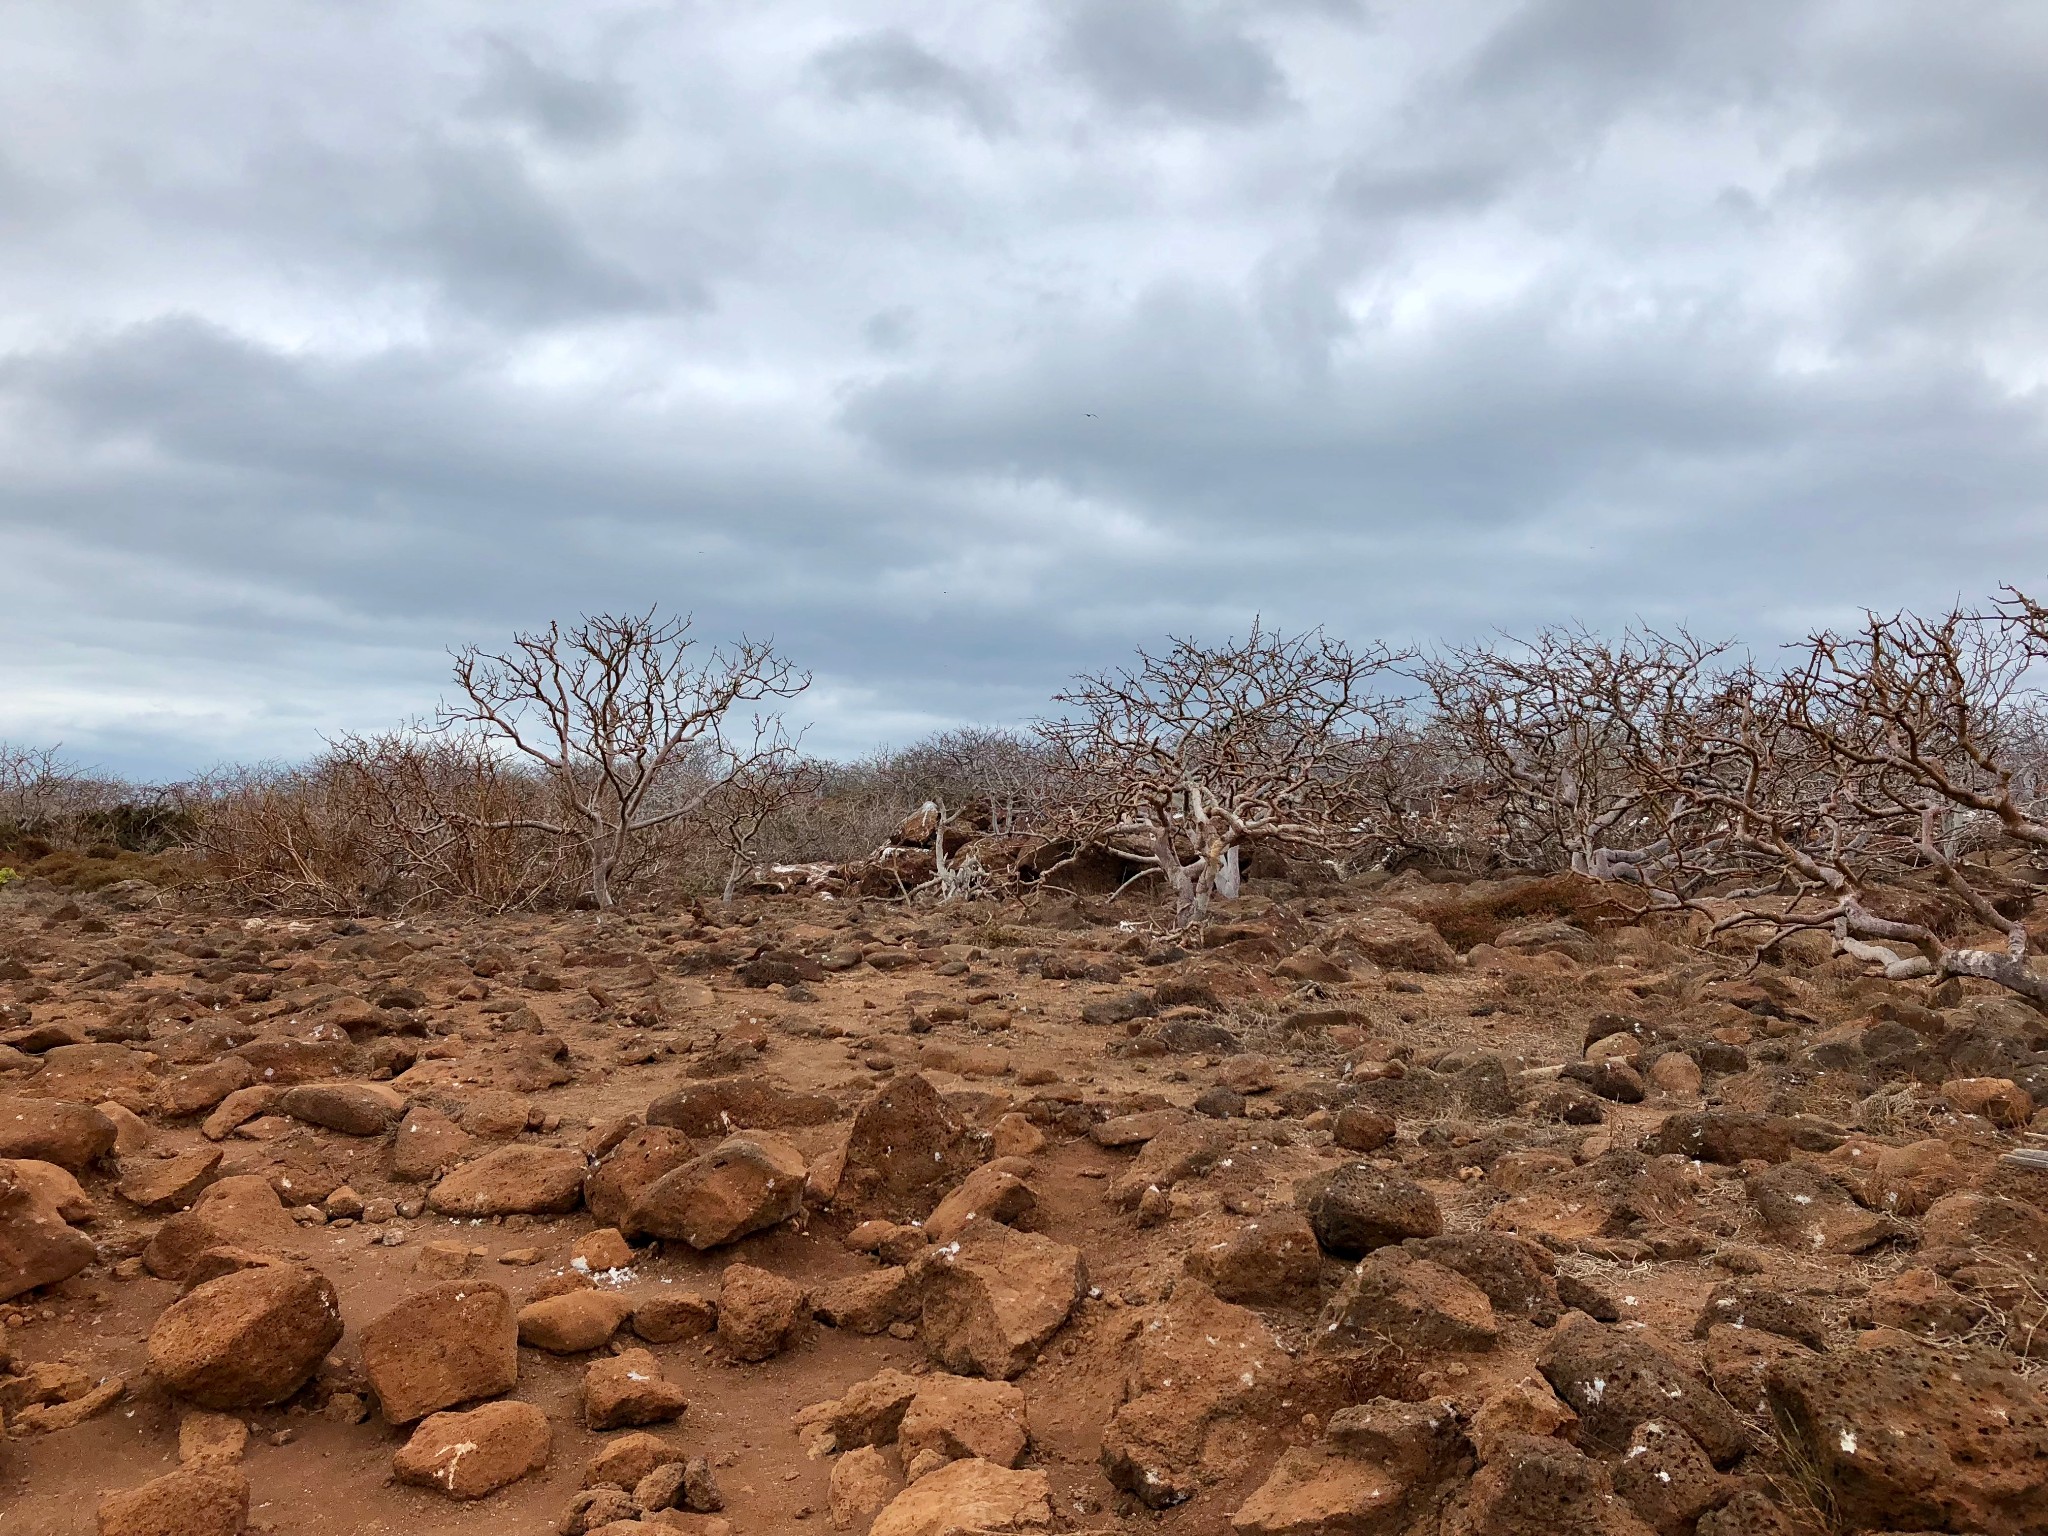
[840, 1215]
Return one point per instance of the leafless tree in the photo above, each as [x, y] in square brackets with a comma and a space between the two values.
[1558, 727]
[1863, 782]
[954, 878]
[1420, 798]
[37, 787]
[1009, 772]
[610, 711]
[1182, 760]
[747, 799]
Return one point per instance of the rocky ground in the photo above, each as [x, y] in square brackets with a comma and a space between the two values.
[839, 1215]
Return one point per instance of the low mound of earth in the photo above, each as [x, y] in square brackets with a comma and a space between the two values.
[837, 1214]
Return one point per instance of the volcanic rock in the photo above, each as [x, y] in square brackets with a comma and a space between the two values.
[201, 1499]
[52, 1131]
[994, 1298]
[573, 1323]
[1356, 1208]
[469, 1455]
[513, 1180]
[645, 1154]
[1912, 1437]
[970, 1495]
[248, 1339]
[744, 1185]
[37, 1245]
[757, 1312]
[629, 1389]
[449, 1344]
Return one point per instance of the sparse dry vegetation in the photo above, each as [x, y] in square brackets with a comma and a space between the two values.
[1253, 1093]
[1879, 789]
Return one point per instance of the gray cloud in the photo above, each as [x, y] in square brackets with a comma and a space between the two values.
[569, 109]
[891, 65]
[961, 355]
[1186, 59]
[1400, 190]
[495, 245]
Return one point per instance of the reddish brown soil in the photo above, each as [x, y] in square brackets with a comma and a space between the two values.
[842, 1035]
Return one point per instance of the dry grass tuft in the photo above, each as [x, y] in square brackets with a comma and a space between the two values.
[1895, 1111]
[1479, 916]
[95, 869]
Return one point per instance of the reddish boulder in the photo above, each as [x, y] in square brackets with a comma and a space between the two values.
[248, 1339]
[1911, 1437]
[666, 1316]
[958, 1416]
[1398, 941]
[629, 1389]
[1539, 1486]
[991, 1192]
[725, 1105]
[1204, 1384]
[968, 1496]
[643, 1156]
[1969, 1227]
[37, 1245]
[468, 1455]
[1724, 1136]
[72, 1136]
[1361, 1128]
[511, 1181]
[904, 1149]
[744, 1185]
[353, 1109]
[757, 1312]
[574, 1322]
[1803, 1208]
[1270, 1261]
[427, 1145]
[1393, 1295]
[449, 1344]
[993, 1299]
[87, 1074]
[201, 1499]
[198, 1089]
[1667, 1478]
[867, 1303]
[169, 1184]
[241, 1211]
[1615, 1380]
[1356, 1208]
[1998, 1099]
[1185, 1149]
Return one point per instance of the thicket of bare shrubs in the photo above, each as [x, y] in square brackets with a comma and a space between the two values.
[1886, 786]
[85, 829]
[391, 822]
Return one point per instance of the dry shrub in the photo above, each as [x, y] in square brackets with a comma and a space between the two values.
[387, 823]
[102, 866]
[1479, 915]
[49, 805]
[1796, 1477]
[2015, 1302]
[1897, 1110]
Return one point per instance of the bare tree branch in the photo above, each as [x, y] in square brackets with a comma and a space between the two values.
[1181, 761]
[611, 711]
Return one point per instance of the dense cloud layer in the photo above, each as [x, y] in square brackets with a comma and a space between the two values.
[959, 349]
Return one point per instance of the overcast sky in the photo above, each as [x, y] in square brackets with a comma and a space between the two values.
[961, 347]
